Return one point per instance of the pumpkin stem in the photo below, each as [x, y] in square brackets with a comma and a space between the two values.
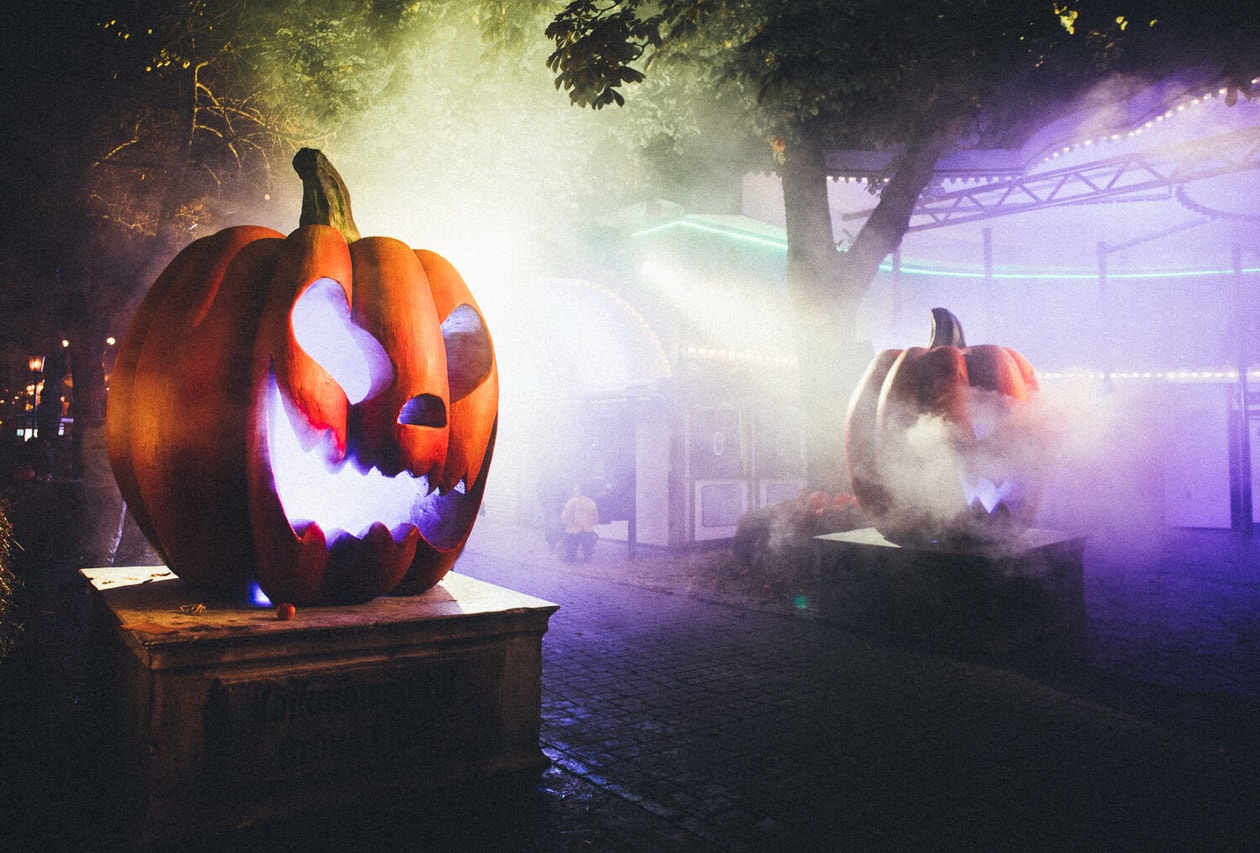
[946, 330]
[325, 199]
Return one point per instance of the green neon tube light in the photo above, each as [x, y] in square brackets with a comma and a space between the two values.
[921, 270]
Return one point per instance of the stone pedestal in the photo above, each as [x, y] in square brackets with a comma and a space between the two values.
[965, 600]
[222, 715]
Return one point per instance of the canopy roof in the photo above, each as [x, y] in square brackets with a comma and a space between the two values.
[1158, 178]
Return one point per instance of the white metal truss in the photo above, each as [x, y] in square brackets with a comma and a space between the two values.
[1139, 171]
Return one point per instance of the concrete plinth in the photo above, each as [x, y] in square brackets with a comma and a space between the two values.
[223, 715]
[986, 599]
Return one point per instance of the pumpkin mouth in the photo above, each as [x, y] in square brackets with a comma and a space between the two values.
[345, 500]
[992, 496]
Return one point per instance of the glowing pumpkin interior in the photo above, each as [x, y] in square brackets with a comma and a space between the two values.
[318, 485]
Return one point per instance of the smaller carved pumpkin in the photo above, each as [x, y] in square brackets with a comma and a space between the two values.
[941, 442]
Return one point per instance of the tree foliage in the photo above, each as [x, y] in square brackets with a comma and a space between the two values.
[146, 137]
[864, 74]
[327, 60]
[871, 74]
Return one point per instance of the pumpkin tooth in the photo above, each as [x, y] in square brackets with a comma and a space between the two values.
[459, 486]
[378, 536]
[359, 565]
[405, 531]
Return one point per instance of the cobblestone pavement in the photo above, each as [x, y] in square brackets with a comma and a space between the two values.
[680, 718]
[1186, 615]
[757, 731]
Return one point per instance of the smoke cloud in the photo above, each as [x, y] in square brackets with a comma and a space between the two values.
[1079, 457]
[1107, 462]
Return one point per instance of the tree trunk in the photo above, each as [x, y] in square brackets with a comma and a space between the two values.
[827, 287]
[101, 506]
[824, 312]
[883, 230]
[87, 407]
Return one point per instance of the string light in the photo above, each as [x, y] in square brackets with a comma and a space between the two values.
[740, 356]
[1088, 142]
[1182, 106]
[658, 348]
[909, 269]
[1177, 376]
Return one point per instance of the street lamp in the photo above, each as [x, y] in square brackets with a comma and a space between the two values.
[36, 364]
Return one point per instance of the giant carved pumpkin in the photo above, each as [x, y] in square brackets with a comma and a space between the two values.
[942, 444]
[315, 412]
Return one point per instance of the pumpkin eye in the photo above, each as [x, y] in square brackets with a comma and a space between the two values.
[469, 353]
[425, 410]
[323, 328]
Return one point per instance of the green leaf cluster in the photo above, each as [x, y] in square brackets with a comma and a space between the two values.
[329, 57]
[596, 47]
[865, 73]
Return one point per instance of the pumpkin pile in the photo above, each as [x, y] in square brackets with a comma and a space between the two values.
[942, 444]
[773, 548]
[232, 425]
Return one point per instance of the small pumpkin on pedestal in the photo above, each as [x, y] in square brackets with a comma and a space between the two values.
[943, 445]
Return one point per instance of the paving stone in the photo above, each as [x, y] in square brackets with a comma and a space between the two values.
[674, 722]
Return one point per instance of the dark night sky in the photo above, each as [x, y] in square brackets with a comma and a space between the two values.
[51, 84]
[57, 65]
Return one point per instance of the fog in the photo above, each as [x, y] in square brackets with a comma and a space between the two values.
[542, 207]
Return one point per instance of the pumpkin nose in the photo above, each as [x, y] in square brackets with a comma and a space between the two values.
[425, 410]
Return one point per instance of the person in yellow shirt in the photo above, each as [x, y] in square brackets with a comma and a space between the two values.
[580, 515]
